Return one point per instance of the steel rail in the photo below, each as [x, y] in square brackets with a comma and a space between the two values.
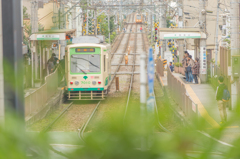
[84, 126]
[113, 52]
[114, 75]
[156, 109]
[120, 40]
[58, 117]
[132, 75]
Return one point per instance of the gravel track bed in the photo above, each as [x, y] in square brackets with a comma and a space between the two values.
[74, 118]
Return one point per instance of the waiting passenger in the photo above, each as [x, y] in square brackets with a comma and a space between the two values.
[189, 68]
[50, 65]
[171, 66]
[55, 58]
[184, 64]
[195, 70]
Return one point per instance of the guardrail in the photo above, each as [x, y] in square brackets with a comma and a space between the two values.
[37, 99]
[179, 94]
[160, 67]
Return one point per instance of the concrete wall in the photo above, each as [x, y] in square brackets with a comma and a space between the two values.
[1, 70]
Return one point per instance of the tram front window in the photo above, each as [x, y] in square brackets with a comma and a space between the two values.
[138, 16]
[85, 63]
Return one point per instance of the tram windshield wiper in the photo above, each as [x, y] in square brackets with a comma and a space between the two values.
[81, 69]
[87, 61]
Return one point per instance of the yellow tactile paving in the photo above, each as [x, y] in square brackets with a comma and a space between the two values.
[203, 112]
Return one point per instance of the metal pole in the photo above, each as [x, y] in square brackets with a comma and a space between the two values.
[216, 36]
[121, 18]
[13, 58]
[1, 73]
[109, 29]
[74, 19]
[180, 12]
[234, 21]
[95, 21]
[143, 92]
[151, 27]
[87, 24]
[34, 16]
[203, 54]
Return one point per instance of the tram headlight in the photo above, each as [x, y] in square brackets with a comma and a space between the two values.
[99, 82]
[76, 83]
[94, 82]
[71, 82]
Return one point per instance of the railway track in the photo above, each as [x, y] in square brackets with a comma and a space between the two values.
[85, 125]
[132, 75]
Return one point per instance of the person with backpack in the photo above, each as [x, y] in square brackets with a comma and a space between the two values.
[222, 96]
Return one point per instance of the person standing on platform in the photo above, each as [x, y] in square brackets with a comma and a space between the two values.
[189, 68]
[184, 64]
[195, 70]
[171, 66]
[50, 65]
[54, 58]
[140, 29]
[219, 97]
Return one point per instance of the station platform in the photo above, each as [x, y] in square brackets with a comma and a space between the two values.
[204, 96]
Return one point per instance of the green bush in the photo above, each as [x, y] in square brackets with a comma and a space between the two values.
[177, 64]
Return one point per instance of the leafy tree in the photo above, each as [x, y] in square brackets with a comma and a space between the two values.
[25, 14]
[103, 21]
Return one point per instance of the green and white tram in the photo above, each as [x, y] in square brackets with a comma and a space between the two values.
[87, 70]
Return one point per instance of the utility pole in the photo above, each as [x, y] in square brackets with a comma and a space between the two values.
[109, 28]
[74, 26]
[34, 16]
[216, 37]
[203, 54]
[1, 73]
[87, 23]
[151, 25]
[95, 21]
[13, 59]
[181, 42]
[162, 25]
[180, 14]
[234, 20]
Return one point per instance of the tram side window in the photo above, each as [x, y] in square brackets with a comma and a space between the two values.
[104, 59]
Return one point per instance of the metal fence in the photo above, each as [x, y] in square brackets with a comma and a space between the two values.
[160, 67]
[37, 99]
[180, 95]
